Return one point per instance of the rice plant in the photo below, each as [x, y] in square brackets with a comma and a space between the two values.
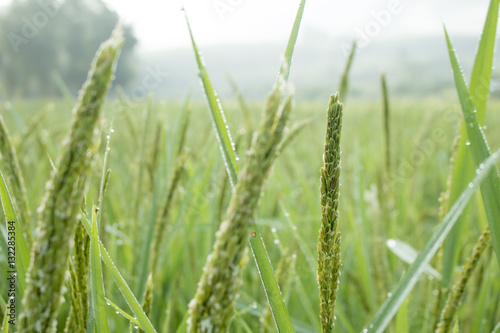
[329, 261]
[65, 192]
[159, 239]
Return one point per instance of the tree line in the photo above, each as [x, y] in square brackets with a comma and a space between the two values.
[46, 46]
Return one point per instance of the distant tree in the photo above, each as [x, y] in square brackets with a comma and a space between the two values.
[42, 39]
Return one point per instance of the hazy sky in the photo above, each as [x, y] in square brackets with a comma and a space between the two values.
[160, 24]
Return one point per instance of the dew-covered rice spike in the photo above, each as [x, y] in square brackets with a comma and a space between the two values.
[329, 237]
[212, 307]
[65, 191]
[458, 290]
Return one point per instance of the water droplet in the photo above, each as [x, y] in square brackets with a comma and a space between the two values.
[365, 330]
[481, 166]
[237, 158]
[389, 294]
[117, 312]
[112, 130]
[485, 127]
[276, 241]
[287, 214]
[108, 303]
[467, 143]
[471, 185]
[273, 229]
[254, 305]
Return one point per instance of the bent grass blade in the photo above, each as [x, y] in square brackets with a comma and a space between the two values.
[134, 305]
[490, 190]
[387, 311]
[100, 311]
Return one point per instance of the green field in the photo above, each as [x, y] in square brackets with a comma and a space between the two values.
[162, 216]
[289, 215]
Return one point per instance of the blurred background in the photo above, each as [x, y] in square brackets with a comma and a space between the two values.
[46, 46]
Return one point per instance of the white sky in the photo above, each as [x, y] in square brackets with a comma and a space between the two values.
[161, 25]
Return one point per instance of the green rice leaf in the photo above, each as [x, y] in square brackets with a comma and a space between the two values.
[183, 326]
[22, 254]
[391, 305]
[490, 190]
[497, 328]
[219, 120]
[271, 288]
[122, 312]
[481, 73]
[407, 253]
[463, 168]
[134, 305]
[285, 66]
[5, 324]
[99, 308]
[344, 80]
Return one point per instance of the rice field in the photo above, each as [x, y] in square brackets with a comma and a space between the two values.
[285, 215]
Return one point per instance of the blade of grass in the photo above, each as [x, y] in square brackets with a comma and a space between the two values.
[122, 312]
[183, 326]
[134, 305]
[218, 118]
[16, 115]
[497, 328]
[5, 324]
[285, 66]
[63, 88]
[344, 80]
[22, 254]
[99, 308]
[490, 190]
[463, 169]
[292, 133]
[387, 131]
[104, 177]
[271, 288]
[481, 73]
[407, 253]
[391, 305]
[243, 105]
[32, 127]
